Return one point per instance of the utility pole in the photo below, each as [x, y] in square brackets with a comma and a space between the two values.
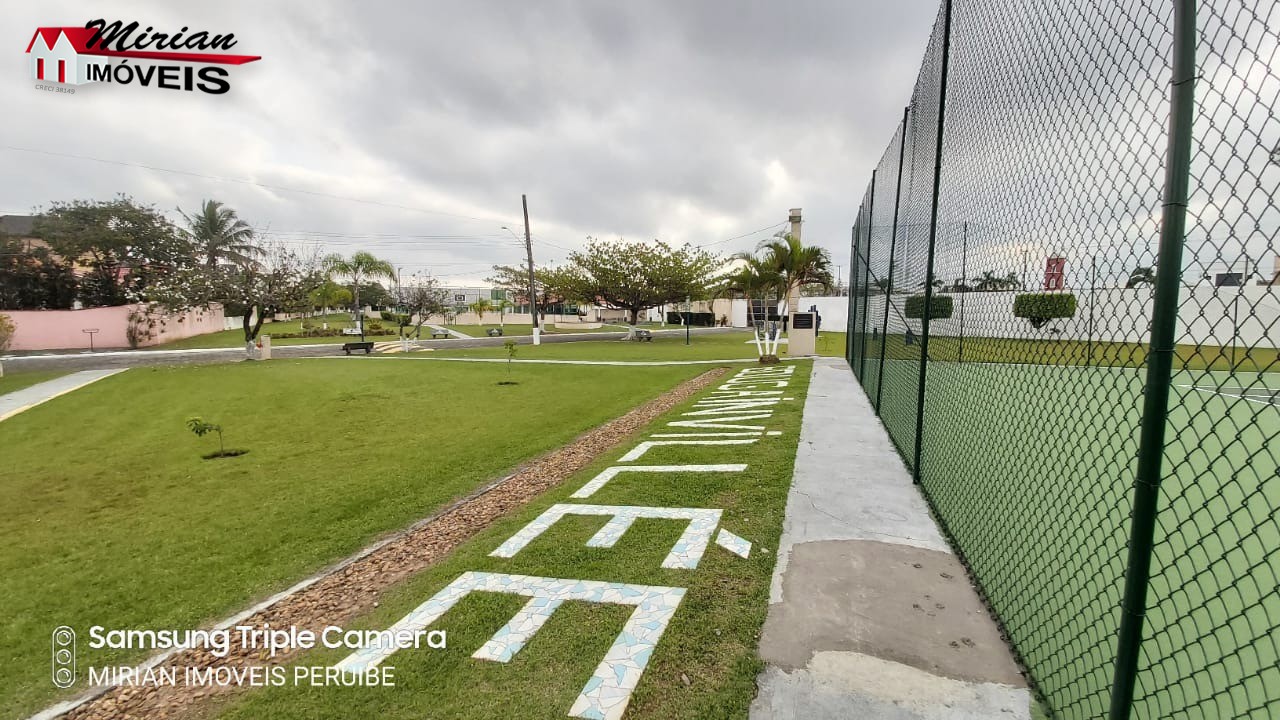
[533, 290]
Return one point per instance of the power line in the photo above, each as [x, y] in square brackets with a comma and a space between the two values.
[244, 181]
[739, 237]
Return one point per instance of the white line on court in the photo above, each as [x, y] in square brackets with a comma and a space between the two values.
[624, 363]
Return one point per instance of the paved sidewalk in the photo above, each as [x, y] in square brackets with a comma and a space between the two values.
[21, 400]
[871, 615]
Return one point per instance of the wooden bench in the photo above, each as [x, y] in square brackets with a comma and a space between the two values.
[440, 334]
[494, 332]
[367, 347]
[644, 335]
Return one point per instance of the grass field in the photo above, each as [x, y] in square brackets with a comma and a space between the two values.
[12, 381]
[1031, 469]
[705, 664]
[112, 518]
[715, 346]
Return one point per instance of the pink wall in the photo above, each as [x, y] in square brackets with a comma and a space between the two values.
[63, 329]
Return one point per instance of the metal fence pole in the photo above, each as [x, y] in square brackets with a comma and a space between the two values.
[964, 282]
[933, 236]
[893, 243]
[1164, 320]
[850, 339]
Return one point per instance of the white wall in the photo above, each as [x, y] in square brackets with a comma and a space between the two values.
[1248, 316]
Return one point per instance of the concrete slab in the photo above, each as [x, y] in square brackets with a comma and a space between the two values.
[22, 400]
[871, 613]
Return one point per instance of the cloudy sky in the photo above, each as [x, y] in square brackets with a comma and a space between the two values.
[410, 129]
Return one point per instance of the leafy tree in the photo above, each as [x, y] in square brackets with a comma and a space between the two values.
[637, 276]
[551, 285]
[359, 267]
[218, 235]
[797, 264]
[990, 282]
[125, 247]
[480, 307]
[1141, 275]
[421, 300]
[329, 294]
[33, 278]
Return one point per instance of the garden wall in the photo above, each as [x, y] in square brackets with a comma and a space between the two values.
[64, 329]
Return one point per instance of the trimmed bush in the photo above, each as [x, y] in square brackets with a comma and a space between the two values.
[940, 308]
[1040, 308]
[698, 319]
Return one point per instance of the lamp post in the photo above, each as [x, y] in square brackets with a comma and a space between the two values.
[688, 318]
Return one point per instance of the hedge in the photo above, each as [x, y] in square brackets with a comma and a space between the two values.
[1040, 308]
[941, 307]
[698, 319]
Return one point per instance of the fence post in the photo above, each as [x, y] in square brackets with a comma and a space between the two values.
[933, 236]
[853, 316]
[866, 300]
[1164, 320]
[893, 247]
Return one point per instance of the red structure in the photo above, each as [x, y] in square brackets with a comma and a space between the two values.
[1055, 273]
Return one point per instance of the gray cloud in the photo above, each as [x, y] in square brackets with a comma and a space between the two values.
[687, 121]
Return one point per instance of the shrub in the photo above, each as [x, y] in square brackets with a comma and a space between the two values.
[1040, 308]
[6, 332]
[940, 307]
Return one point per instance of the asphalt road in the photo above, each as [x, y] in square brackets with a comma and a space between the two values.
[103, 360]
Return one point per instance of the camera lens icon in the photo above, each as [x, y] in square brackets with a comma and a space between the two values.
[64, 656]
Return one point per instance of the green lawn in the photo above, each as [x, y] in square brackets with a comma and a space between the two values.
[717, 346]
[12, 381]
[1031, 468]
[235, 338]
[711, 642]
[112, 518]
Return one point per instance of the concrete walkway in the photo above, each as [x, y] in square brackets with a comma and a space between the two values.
[871, 615]
[22, 400]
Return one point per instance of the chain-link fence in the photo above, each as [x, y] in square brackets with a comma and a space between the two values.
[1003, 308]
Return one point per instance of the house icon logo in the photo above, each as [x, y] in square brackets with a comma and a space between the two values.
[62, 55]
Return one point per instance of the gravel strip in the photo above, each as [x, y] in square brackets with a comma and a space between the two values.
[352, 587]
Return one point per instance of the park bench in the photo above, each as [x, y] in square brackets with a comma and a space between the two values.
[644, 335]
[367, 347]
[440, 334]
[494, 332]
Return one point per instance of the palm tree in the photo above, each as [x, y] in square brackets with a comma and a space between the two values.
[501, 307]
[751, 280]
[480, 307]
[360, 266]
[990, 282]
[1141, 275]
[220, 236]
[797, 265]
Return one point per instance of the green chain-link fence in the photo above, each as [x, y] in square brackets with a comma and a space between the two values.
[1003, 304]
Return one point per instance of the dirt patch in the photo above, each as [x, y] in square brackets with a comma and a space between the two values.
[352, 587]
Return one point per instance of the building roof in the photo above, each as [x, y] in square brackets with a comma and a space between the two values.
[78, 37]
[19, 225]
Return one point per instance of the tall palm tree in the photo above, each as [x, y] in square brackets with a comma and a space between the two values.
[359, 267]
[989, 282]
[797, 265]
[751, 280]
[221, 236]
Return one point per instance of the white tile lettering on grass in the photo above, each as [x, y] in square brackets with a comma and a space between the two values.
[610, 473]
[750, 395]
[685, 555]
[606, 694]
[639, 450]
